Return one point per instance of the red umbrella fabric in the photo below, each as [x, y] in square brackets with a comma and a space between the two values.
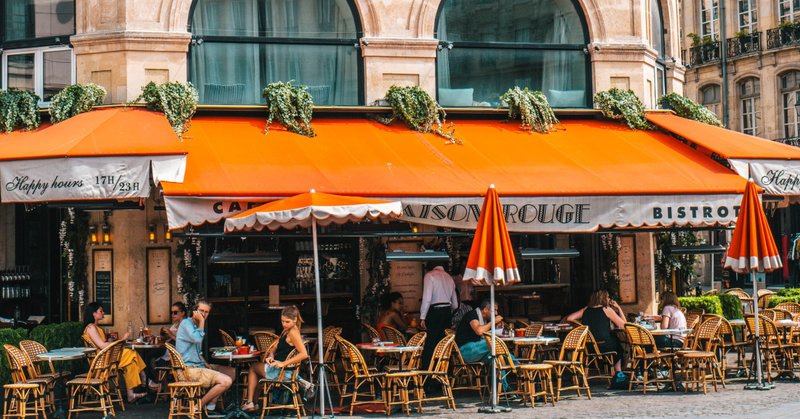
[752, 247]
[491, 258]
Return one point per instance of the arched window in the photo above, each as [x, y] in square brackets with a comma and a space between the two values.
[657, 41]
[710, 97]
[749, 109]
[34, 41]
[790, 97]
[240, 46]
[489, 46]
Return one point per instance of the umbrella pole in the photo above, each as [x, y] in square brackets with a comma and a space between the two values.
[494, 408]
[321, 389]
[759, 384]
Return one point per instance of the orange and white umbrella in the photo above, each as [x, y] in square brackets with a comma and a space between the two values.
[491, 261]
[752, 249]
[307, 210]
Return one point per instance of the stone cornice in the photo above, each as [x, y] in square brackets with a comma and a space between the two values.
[399, 47]
[116, 41]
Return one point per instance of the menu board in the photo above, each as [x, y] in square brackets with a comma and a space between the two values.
[159, 285]
[626, 263]
[103, 267]
[406, 277]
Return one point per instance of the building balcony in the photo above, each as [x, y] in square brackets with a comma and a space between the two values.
[793, 141]
[704, 54]
[743, 45]
[783, 36]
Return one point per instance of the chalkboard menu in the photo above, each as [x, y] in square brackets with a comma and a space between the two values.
[104, 283]
[626, 262]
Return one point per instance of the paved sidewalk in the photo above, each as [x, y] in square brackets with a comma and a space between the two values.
[732, 402]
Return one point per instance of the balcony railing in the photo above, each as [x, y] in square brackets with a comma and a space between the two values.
[793, 141]
[742, 45]
[783, 36]
[704, 53]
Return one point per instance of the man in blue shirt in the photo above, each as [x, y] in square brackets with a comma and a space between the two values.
[189, 343]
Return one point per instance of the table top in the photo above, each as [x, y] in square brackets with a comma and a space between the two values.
[231, 356]
[61, 355]
[558, 327]
[681, 331]
[142, 345]
[382, 348]
[786, 323]
[74, 349]
[542, 340]
[737, 322]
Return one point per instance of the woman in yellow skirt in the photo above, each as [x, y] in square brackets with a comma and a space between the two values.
[131, 363]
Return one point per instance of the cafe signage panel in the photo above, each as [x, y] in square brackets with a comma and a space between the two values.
[777, 177]
[103, 268]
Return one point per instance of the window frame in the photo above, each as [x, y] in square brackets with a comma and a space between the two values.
[749, 110]
[789, 95]
[752, 12]
[713, 22]
[198, 40]
[793, 14]
[38, 67]
[526, 46]
[717, 104]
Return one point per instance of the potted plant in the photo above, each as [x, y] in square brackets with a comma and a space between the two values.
[743, 39]
[695, 39]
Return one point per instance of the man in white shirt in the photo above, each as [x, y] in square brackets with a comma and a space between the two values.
[438, 302]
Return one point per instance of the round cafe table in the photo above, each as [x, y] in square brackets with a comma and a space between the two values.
[63, 354]
[390, 349]
[235, 360]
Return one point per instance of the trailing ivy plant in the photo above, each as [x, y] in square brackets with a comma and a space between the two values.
[418, 110]
[75, 99]
[178, 102]
[18, 109]
[188, 254]
[72, 234]
[292, 106]
[622, 104]
[532, 107]
[689, 109]
[379, 282]
[609, 263]
[682, 264]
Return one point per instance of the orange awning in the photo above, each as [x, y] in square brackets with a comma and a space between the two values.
[103, 154]
[233, 165]
[774, 166]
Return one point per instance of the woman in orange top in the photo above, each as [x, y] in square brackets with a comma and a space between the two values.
[392, 313]
[130, 362]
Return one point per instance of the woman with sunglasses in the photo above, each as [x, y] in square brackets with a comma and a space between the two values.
[178, 312]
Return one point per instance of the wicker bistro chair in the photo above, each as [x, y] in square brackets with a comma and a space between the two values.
[776, 355]
[437, 371]
[394, 335]
[40, 398]
[329, 356]
[646, 357]
[527, 375]
[33, 348]
[289, 387]
[91, 393]
[770, 314]
[728, 343]
[571, 357]
[393, 360]
[744, 297]
[184, 394]
[87, 342]
[18, 396]
[528, 350]
[764, 296]
[700, 362]
[601, 362]
[372, 332]
[505, 366]
[412, 361]
[227, 339]
[793, 308]
[263, 342]
[781, 314]
[466, 375]
[361, 375]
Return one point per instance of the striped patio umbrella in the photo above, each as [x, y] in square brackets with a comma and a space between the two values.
[491, 261]
[752, 249]
[307, 210]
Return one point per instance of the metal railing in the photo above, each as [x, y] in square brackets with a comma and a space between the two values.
[783, 36]
[743, 45]
[793, 141]
[704, 53]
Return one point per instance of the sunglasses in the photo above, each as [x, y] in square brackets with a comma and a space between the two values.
[175, 312]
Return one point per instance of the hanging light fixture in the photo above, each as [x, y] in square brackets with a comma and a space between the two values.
[106, 230]
[151, 233]
[93, 235]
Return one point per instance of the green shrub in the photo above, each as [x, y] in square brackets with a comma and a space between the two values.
[775, 300]
[10, 337]
[788, 292]
[731, 306]
[708, 303]
[61, 335]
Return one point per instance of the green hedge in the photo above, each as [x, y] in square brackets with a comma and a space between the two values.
[708, 303]
[731, 306]
[775, 300]
[788, 292]
[9, 337]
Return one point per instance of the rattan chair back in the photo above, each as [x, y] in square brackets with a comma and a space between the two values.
[264, 341]
[591, 344]
[534, 330]
[737, 292]
[227, 339]
[692, 320]
[574, 345]
[15, 364]
[372, 332]
[639, 336]
[177, 364]
[502, 354]
[33, 348]
[769, 313]
[415, 359]
[449, 332]
[440, 360]
[394, 335]
[791, 307]
[101, 364]
[355, 360]
[705, 336]
[781, 314]
[698, 311]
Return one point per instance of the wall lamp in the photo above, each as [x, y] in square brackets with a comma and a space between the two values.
[167, 233]
[151, 233]
[93, 235]
[703, 249]
[549, 253]
[426, 256]
[106, 230]
[256, 257]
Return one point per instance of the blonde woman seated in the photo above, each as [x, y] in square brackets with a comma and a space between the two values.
[290, 339]
[671, 318]
[132, 365]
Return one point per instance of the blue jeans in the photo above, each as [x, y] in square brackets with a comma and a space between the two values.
[479, 351]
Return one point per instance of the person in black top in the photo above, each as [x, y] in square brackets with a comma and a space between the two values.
[290, 339]
[599, 315]
[469, 334]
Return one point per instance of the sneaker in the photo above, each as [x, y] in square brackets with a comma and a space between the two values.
[310, 392]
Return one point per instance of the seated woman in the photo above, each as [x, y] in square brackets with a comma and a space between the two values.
[289, 339]
[169, 334]
[392, 313]
[598, 315]
[132, 365]
[671, 318]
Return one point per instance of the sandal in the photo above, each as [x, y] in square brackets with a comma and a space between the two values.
[136, 397]
[249, 407]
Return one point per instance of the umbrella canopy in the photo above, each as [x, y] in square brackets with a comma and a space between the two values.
[300, 210]
[491, 258]
[752, 247]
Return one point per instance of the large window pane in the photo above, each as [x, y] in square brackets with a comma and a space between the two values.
[20, 72]
[274, 18]
[478, 76]
[28, 19]
[523, 21]
[232, 73]
[57, 72]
